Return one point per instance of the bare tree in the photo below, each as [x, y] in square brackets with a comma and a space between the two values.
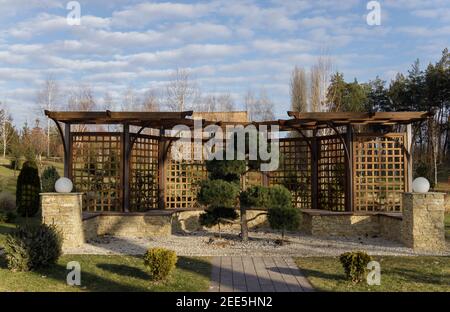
[150, 101]
[81, 99]
[46, 99]
[225, 102]
[213, 103]
[7, 129]
[130, 100]
[320, 74]
[181, 91]
[108, 102]
[260, 108]
[299, 90]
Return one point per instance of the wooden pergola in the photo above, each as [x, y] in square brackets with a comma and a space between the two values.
[326, 152]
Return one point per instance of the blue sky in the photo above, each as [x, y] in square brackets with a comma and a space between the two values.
[229, 46]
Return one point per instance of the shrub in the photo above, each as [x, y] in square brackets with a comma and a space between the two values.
[425, 170]
[15, 164]
[279, 196]
[7, 217]
[228, 170]
[33, 247]
[218, 193]
[160, 262]
[7, 202]
[49, 178]
[216, 215]
[355, 265]
[255, 196]
[28, 189]
[283, 218]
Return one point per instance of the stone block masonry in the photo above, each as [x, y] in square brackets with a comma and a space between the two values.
[64, 210]
[423, 221]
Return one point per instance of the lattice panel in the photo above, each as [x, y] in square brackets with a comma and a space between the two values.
[379, 172]
[182, 181]
[96, 169]
[331, 174]
[144, 173]
[294, 171]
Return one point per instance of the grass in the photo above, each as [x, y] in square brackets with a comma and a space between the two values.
[108, 273]
[8, 177]
[427, 274]
[447, 226]
[6, 228]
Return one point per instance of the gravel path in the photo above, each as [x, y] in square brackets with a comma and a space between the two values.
[260, 244]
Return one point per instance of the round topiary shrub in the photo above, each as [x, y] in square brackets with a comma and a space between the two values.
[355, 265]
[279, 196]
[33, 247]
[218, 193]
[160, 262]
[255, 197]
[28, 189]
[283, 218]
[49, 178]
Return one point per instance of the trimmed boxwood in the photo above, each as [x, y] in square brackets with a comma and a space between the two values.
[160, 262]
[33, 247]
[355, 265]
[28, 189]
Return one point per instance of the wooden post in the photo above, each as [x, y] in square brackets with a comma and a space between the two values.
[126, 154]
[409, 160]
[349, 170]
[68, 151]
[314, 171]
[162, 163]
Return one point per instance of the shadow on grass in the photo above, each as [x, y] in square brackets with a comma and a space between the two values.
[319, 274]
[125, 270]
[422, 277]
[107, 280]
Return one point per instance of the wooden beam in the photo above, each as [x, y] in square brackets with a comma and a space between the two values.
[409, 160]
[314, 171]
[67, 152]
[349, 184]
[163, 146]
[126, 156]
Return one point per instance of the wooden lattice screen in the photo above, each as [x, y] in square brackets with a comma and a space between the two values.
[144, 173]
[294, 170]
[379, 172]
[331, 174]
[182, 181]
[96, 169]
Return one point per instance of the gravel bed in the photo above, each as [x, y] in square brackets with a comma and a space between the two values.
[205, 243]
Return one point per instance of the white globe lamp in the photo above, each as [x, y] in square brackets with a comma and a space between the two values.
[420, 185]
[63, 185]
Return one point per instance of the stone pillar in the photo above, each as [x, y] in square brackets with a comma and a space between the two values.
[64, 210]
[423, 221]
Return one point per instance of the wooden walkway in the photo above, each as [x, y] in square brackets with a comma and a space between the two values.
[257, 274]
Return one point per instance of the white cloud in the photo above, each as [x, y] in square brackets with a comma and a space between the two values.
[142, 14]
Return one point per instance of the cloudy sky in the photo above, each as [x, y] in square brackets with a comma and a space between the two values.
[229, 46]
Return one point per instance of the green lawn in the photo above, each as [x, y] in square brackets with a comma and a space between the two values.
[447, 226]
[108, 273]
[397, 274]
[8, 177]
[6, 228]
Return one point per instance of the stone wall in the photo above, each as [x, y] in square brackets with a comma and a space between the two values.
[187, 221]
[390, 226]
[423, 221]
[128, 225]
[64, 210]
[324, 223]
